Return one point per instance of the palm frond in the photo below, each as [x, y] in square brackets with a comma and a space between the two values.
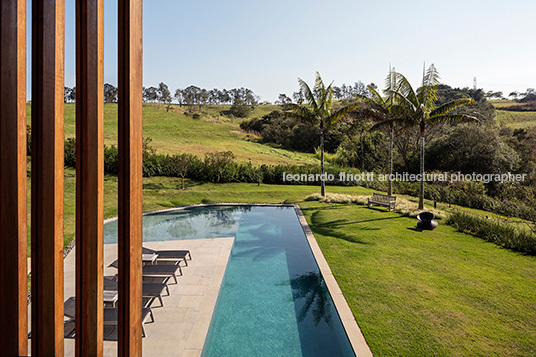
[405, 103]
[388, 122]
[376, 97]
[450, 106]
[301, 113]
[427, 93]
[453, 118]
[403, 87]
[333, 118]
[308, 94]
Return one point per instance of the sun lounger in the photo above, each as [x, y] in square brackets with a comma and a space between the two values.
[183, 255]
[109, 316]
[149, 290]
[157, 270]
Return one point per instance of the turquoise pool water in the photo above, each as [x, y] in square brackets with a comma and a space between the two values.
[273, 300]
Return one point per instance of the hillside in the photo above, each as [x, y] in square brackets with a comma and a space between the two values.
[512, 119]
[172, 132]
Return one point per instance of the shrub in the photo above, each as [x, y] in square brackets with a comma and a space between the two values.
[505, 235]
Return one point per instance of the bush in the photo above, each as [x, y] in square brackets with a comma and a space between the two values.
[505, 235]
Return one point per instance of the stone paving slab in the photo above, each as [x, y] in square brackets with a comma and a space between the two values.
[181, 325]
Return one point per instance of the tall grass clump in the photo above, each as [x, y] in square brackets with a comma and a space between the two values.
[403, 206]
[505, 235]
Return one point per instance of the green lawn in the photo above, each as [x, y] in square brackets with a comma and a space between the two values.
[173, 133]
[440, 292]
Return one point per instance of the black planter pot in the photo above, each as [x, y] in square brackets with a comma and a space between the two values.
[426, 221]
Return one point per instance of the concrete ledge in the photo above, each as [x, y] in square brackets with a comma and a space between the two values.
[357, 340]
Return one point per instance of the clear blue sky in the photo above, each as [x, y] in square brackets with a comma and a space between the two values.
[267, 45]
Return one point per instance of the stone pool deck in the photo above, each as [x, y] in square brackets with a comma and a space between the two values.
[180, 326]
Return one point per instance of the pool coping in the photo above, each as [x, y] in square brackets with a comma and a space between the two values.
[353, 332]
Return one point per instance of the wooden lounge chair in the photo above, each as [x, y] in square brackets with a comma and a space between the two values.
[170, 255]
[157, 270]
[149, 290]
[109, 314]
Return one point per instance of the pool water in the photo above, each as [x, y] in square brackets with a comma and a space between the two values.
[273, 300]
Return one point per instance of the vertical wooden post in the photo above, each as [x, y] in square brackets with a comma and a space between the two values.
[130, 176]
[48, 26]
[13, 232]
[89, 176]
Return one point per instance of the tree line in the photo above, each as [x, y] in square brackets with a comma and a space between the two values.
[339, 93]
[189, 96]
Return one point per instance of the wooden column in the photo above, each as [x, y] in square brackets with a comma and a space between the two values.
[47, 176]
[13, 231]
[130, 176]
[89, 176]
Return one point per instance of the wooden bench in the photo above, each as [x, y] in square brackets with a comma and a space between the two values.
[382, 200]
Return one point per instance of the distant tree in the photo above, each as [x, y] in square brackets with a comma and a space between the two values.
[164, 95]
[530, 96]
[69, 94]
[182, 164]
[481, 147]
[179, 97]
[110, 93]
[337, 93]
[283, 100]
[359, 89]
[513, 95]
[214, 96]
[224, 96]
[150, 94]
[498, 95]
[251, 98]
[318, 112]
[298, 97]
[240, 109]
[192, 96]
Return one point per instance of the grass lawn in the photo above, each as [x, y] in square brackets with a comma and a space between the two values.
[174, 133]
[440, 292]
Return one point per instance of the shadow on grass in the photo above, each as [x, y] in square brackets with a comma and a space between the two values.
[330, 229]
[153, 186]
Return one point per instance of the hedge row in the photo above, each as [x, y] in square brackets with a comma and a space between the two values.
[218, 167]
[222, 167]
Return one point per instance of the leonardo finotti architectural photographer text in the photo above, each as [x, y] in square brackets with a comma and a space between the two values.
[404, 176]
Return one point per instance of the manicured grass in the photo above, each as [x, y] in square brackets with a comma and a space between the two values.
[440, 293]
[174, 133]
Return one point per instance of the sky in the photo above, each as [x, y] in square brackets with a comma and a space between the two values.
[267, 45]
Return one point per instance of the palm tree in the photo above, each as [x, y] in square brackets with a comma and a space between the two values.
[386, 112]
[421, 110]
[318, 111]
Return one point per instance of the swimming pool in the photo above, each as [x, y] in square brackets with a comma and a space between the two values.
[273, 300]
